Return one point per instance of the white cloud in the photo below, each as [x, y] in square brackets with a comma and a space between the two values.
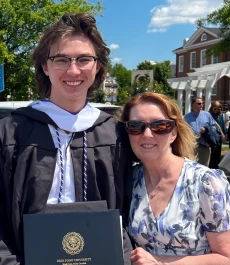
[180, 12]
[116, 60]
[114, 46]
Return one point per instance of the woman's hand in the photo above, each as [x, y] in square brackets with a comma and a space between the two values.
[139, 256]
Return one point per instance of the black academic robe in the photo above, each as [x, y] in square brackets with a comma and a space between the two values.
[27, 163]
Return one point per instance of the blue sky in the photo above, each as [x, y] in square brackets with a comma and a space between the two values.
[149, 29]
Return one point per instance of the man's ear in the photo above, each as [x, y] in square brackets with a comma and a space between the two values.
[98, 67]
[45, 69]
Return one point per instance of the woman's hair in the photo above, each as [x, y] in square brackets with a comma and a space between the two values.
[70, 25]
[216, 104]
[185, 143]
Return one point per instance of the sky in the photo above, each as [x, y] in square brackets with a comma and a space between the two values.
[150, 30]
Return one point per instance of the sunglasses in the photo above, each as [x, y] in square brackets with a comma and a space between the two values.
[135, 127]
[216, 109]
[199, 103]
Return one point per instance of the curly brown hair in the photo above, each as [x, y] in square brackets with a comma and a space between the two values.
[185, 143]
[70, 25]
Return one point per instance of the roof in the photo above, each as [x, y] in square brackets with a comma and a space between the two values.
[187, 42]
[216, 31]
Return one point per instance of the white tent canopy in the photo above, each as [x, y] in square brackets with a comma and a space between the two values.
[204, 78]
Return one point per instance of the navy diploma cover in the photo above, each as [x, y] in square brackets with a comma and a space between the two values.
[73, 238]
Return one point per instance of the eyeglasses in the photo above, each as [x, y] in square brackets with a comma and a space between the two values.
[63, 62]
[199, 103]
[135, 127]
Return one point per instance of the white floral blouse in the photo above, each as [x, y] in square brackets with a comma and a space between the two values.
[200, 203]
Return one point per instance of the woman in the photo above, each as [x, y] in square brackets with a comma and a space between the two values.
[179, 213]
[216, 112]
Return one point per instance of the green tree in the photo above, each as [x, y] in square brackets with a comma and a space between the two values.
[146, 65]
[99, 96]
[123, 95]
[162, 72]
[21, 25]
[220, 17]
[123, 78]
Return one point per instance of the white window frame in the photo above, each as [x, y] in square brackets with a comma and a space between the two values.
[214, 59]
[181, 63]
[204, 37]
[214, 90]
[202, 58]
[192, 60]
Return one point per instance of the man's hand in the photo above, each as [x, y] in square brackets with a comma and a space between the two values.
[202, 130]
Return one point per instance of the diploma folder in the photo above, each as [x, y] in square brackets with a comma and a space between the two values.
[73, 238]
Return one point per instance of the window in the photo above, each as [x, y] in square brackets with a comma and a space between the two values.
[204, 37]
[214, 59]
[192, 60]
[181, 63]
[202, 57]
[214, 90]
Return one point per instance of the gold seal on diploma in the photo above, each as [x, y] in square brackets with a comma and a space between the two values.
[73, 243]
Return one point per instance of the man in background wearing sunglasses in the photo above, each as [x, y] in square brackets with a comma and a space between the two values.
[203, 125]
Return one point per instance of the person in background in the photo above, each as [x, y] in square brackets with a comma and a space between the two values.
[60, 149]
[180, 210]
[226, 118]
[228, 136]
[203, 126]
[216, 111]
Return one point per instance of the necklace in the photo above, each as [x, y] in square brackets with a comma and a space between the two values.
[153, 193]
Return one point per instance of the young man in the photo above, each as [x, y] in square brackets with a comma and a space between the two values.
[61, 149]
[203, 125]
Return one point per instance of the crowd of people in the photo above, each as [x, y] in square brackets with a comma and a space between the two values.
[211, 128]
[154, 165]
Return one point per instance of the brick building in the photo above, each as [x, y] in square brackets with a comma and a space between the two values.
[192, 65]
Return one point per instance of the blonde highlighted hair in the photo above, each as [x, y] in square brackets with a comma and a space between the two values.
[185, 143]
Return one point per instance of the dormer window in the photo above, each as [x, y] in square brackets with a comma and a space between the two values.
[204, 37]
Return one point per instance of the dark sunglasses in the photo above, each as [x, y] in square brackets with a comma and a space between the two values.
[135, 127]
[199, 103]
[216, 109]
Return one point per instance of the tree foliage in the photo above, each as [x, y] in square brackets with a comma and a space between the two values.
[162, 72]
[21, 25]
[123, 78]
[220, 17]
[99, 96]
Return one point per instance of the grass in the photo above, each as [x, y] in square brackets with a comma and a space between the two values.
[224, 148]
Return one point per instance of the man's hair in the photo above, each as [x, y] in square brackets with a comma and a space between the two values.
[194, 99]
[70, 25]
[185, 143]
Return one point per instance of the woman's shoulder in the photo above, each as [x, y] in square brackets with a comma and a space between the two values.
[201, 173]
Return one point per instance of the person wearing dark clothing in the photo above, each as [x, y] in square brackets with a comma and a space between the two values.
[216, 112]
[61, 149]
[203, 126]
[228, 135]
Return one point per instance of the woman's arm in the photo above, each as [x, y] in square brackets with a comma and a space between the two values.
[219, 244]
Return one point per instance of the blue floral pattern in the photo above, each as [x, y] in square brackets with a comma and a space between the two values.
[200, 203]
